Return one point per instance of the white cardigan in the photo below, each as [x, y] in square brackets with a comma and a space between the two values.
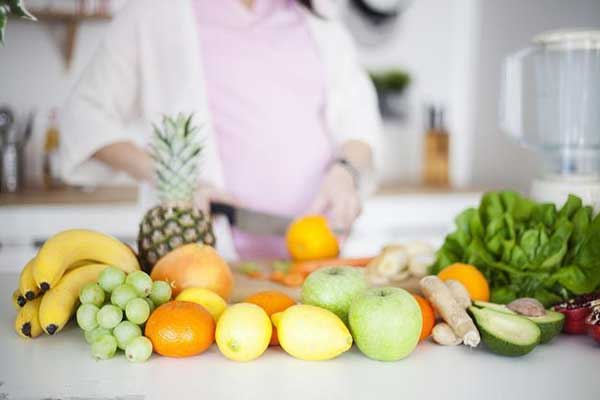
[150, 65]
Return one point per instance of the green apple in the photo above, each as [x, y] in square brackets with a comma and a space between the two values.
[385, 323]
[334, 288]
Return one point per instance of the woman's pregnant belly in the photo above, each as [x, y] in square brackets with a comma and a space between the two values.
[265, 87]
[280, 175]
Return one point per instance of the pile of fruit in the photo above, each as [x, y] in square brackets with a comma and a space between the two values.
[386, 324]
[118, 306]
[98, 279]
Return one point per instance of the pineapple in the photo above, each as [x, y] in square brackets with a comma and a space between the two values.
[176, 150]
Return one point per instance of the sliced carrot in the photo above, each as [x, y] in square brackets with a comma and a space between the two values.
[252, 270]
[255, 275]
[293, 279]
[306, 267]
[277, 276]
[281, 265]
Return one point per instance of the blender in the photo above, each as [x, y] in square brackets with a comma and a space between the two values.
[551, 105]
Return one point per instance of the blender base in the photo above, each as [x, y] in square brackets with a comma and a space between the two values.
[556, 189]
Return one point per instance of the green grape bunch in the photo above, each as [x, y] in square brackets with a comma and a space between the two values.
[114, 310]
[12, 8]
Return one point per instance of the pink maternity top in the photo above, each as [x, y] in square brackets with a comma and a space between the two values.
[265, 87]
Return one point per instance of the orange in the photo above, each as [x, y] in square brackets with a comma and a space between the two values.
[272, 302]
[309, 238]
[180, 329]
[194, 265]
[428, 316]
[472, 279]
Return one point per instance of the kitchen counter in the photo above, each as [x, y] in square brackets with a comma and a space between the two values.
[71, 196]
[129, 194]
[61, 367]
[388, 217]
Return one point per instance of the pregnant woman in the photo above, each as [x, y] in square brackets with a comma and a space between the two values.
[289, 117]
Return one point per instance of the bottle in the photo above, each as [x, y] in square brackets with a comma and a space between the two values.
[437, 149]
[51, 143]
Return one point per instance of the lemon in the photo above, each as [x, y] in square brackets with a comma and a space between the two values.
[311, 333]
[243, 332]
[208, 299]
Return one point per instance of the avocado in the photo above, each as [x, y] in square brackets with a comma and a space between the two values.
[493, 306]
[550, 324]
[506, 334]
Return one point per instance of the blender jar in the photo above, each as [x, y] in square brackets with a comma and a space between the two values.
[551, 104]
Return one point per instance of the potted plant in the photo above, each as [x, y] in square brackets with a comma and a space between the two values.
[390, 86]
[12, 8]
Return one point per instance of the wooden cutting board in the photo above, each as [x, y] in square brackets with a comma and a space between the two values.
[245, 286]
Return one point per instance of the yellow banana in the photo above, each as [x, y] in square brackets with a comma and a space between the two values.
[70, 247]
[80, 263]
[18, 300]
[27, 323]
[60, 302]
[27, 285]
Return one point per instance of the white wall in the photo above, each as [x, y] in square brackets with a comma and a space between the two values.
[33, 73]
[455, 49]
[434, 43]
[506, 26]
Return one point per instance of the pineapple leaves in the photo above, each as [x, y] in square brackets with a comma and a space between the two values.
[176, 150]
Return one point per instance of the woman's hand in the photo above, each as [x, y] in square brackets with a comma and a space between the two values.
[206, 193]
[338, 198]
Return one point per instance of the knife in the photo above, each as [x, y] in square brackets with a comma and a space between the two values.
[252, 221]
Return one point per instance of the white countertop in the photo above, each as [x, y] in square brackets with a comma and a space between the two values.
[62, 367]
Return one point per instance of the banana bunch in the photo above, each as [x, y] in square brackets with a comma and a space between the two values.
[49, 284]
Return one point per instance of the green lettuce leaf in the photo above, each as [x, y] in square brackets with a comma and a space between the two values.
[526, 248]
[572, 205]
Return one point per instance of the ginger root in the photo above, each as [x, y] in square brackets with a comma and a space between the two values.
[419, 264]
[440, 296]
[459, 292]
[444, 335]
[391, 265]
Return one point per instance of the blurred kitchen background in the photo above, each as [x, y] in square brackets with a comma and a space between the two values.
[437, 64]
